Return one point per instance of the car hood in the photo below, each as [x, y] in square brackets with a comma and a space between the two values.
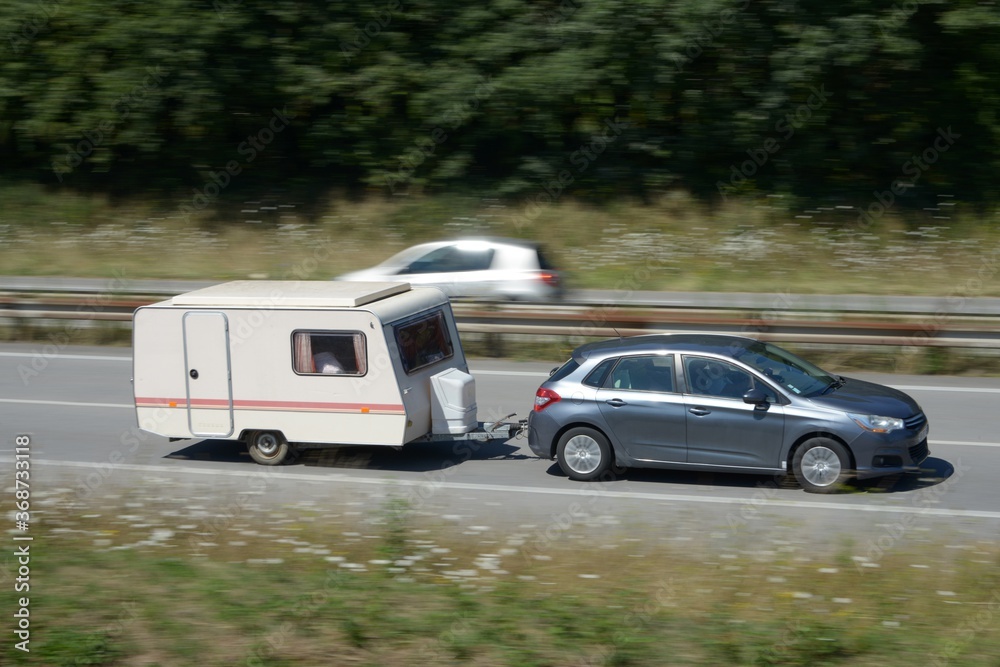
[869, 398]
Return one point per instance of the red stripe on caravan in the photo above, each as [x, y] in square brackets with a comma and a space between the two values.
[156, 402]
[246, 404]
[209, 403]
[313, 405]
[180, 402]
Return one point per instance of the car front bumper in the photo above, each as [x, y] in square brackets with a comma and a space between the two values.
[879, 455]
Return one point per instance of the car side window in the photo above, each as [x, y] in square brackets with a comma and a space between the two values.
[597, 376]
[474, 260]
[431, 262]
[711, 377]
[451, 259]
[648, 373]
[564, 370]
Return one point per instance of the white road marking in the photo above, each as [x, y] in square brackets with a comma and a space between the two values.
[70, 404]
[901, 387]
[921, 387]
[129, 406]
[59, 355]
[327, 477]
[528, 374]
[534, 374]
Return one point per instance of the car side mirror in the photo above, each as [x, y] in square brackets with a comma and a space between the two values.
[757, 397]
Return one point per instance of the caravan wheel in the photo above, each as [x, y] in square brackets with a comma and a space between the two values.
[268, 448]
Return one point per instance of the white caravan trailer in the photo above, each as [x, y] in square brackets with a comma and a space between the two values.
[282, 365]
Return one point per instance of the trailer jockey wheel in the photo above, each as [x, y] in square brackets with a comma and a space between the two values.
[268, 448]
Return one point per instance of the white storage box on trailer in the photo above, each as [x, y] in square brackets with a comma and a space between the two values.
[453, 402]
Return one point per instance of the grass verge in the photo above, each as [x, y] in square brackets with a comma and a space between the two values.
[157, 588]
[674, 243]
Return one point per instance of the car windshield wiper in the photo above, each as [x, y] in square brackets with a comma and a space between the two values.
[836, 383]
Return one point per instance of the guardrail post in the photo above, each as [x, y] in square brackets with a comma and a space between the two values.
[494, 340]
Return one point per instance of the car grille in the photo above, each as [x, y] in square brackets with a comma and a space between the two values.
[916, 422]
[919, 452]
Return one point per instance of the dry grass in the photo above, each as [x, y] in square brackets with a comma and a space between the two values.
[675, 243]
[169, 584]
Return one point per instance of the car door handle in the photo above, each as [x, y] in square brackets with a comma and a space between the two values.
[615, 402]
[701, 412]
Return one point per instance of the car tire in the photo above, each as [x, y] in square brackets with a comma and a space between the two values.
[821, 465]
[268, 448]
[584, 454]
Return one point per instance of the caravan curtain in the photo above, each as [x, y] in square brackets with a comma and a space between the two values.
[359, 354]
[303, 353]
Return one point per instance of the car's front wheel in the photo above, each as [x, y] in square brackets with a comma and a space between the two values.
[821, 465]
[584, 454]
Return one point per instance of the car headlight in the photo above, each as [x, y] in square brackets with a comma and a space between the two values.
[876, 423]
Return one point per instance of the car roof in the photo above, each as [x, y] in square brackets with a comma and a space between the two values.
[721, 344]
[492, 240]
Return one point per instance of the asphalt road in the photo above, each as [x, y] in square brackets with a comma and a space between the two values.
[75, 405]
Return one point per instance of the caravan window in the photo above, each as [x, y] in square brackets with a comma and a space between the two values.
[423, 340]
[329, 353]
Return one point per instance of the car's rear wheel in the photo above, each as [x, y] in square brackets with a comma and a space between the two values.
[584, 454]
[267, 448]
[821, 465]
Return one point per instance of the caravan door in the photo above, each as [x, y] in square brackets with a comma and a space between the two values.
[207, 367]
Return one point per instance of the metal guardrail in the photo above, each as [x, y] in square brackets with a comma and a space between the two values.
[779, 326]
[790, 319]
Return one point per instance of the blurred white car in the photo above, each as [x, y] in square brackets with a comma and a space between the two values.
[506, 269]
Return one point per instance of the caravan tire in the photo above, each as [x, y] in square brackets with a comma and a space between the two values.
[268, 448]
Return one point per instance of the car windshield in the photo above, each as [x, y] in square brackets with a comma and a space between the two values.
[786, 370]
[405, 257]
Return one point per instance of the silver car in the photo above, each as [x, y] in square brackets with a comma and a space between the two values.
[506, 269]
[721, 403]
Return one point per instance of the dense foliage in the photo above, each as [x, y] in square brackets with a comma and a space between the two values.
[855, 101]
